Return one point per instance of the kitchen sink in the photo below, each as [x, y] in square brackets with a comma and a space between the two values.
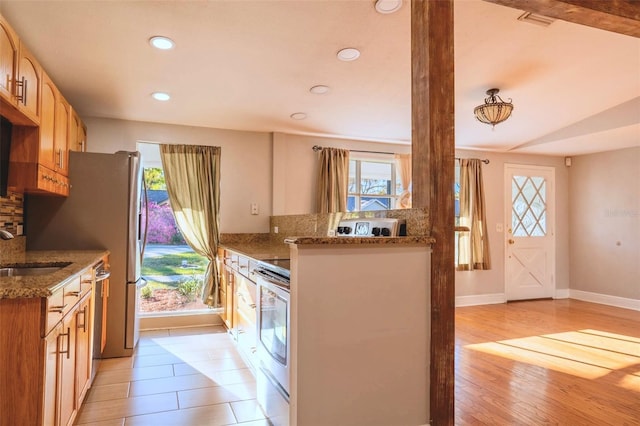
[31, 269]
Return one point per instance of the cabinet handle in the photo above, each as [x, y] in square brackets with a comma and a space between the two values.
[84, 319]
[61, 160]
[68, 334]
[22, 83]
[252, 306]
[74, 293]
[58, 309]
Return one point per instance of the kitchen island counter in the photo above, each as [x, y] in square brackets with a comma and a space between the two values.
[44, 285]
[259, 250]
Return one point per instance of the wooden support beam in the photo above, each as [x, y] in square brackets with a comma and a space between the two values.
[433, 167]
[619, 16]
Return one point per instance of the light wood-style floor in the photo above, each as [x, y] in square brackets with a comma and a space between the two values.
[185, 377]
[560, 362]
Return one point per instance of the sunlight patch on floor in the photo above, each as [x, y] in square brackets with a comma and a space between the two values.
[589, 354]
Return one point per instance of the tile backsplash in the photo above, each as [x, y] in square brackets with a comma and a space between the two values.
[11, 212]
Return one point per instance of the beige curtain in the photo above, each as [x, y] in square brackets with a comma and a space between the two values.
[403, 166]
[333, 180]
[473, 246]
[192, 174]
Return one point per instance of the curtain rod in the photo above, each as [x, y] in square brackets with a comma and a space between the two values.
[317, 148]
[485, 161]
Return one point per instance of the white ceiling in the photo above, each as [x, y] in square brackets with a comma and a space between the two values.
[248, 65]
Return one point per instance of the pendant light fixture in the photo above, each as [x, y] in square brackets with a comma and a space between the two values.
[494, 110]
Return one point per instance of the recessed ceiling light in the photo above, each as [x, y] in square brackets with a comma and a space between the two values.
[388, 6]
[319, 89]
[162, 43]
[298, 116]
[348, 54]
[161, 96]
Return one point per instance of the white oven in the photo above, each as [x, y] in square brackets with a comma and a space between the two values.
[274, 345]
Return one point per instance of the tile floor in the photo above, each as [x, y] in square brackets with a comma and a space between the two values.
[185, 377]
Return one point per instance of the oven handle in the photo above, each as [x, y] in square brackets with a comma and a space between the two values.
[270, 278]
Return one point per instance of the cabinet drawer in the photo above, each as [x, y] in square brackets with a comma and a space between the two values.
[86, 281]
[243, 265]
[55, 309]
[72, 292]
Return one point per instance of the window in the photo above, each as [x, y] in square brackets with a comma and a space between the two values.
[174, 272]
[372, 184]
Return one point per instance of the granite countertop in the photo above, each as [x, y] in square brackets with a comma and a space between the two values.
[361, 240]
[259, 250]
[45, 285]
[271, 250]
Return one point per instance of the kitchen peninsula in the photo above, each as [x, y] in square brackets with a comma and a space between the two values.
[359, 327]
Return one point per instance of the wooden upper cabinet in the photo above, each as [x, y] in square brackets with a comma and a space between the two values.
[45, 126]
[61, 135]
[77, 133]
[46, 151]
[8, 60]
[28, 84]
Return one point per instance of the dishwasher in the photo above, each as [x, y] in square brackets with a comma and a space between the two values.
[100, 314]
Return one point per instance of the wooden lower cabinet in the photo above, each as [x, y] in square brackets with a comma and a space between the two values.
[46, 369]
[51, 369]
[67, 375]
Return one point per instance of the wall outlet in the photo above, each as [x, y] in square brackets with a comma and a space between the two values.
[254, 208]
[275, 230]
[499, 227]
[19, 230]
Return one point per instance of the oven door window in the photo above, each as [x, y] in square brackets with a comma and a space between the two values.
[273, 324]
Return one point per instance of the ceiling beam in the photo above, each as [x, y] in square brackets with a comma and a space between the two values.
[619, 16]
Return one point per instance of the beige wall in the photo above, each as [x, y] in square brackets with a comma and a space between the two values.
[245, 163]
[278, 172]
[491, 282]
[295, 168]
[605, 223]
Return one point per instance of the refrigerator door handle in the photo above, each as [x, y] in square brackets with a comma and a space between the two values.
[146, 217]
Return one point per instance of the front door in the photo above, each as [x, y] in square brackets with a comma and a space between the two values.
[530, 236]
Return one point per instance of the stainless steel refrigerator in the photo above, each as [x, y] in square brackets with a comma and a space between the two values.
[103, 211]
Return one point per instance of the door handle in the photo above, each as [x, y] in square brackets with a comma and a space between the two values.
[511, 241]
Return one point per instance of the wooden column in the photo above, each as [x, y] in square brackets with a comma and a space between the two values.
[433, 156]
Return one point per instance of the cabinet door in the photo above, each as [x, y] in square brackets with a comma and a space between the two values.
[61, 138]
[229, 308]
[8, 58]
[27, 89]
[67, 354]
[46, 155]
[51, 382]
[83, 349]
[76, 132]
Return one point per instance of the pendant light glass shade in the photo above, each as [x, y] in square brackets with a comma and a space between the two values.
[494, 110]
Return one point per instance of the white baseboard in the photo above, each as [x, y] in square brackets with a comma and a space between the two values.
[480, 299]
[180, 320]
[605, 299]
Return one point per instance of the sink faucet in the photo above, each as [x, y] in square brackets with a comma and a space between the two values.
[5, 235]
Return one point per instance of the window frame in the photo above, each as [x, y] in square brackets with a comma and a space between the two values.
[358, 195]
